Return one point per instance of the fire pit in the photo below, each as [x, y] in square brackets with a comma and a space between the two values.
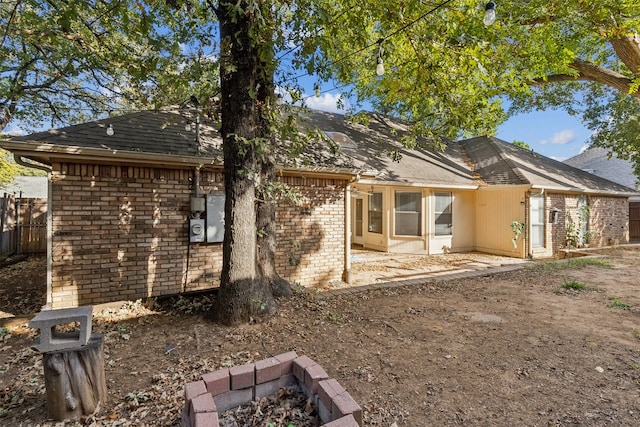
[229, 388]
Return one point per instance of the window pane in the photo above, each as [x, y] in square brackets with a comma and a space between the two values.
[375, 222]
[537, 236]
[444, 227]
[408, 202]
[375, 202]
[375, 213]
[359, 217]
[408, 224]
[537, 210]
[408, 213]
[443, 202]
[443, 214]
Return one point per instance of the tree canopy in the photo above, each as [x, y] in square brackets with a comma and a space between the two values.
[69, 61]
[449, 73]
[445, 71]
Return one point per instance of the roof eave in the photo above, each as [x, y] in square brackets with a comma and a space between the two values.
[51, 153]
[320, 171]
[574, 190]
[418, 184]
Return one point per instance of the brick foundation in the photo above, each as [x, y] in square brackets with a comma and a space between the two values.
[226, 389]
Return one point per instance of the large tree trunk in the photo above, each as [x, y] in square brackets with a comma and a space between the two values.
[244, 294]
[266, 206]
[266, 224]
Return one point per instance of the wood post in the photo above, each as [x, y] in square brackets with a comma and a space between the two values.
[75, 380]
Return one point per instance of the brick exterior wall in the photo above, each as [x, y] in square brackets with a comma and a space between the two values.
[608, 219]
[121, 232]
[311, 236]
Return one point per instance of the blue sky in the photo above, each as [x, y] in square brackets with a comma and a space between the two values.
[551, 133]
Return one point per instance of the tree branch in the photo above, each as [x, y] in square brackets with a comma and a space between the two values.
[588, 71]
[9, 21]
[628, 51]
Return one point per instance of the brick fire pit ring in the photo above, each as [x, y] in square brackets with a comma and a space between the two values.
[228, 388]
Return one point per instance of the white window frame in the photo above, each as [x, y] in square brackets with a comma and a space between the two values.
[402, 213]
[537, 229]
[438, 214]
[377, 212]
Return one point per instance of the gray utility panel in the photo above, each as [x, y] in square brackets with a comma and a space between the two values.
[215, 218]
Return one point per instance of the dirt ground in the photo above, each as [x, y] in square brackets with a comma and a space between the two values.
[503, 350]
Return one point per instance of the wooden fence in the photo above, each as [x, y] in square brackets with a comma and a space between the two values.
[23, 225]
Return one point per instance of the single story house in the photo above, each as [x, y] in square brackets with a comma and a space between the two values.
[136, 206]
[596, 160]
[468, 196]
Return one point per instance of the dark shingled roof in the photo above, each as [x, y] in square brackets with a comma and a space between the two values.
[371, 145]
[596, 160]
[163, 132]
[501, 163]
[158, 132]
[348, 146]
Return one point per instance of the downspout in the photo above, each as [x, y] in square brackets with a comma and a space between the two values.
[49, 301]
[346, 275]
[196, 182]
[19, 160]
[196, 206]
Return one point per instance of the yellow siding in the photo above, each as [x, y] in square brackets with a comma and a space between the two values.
[496, 209]
[463, 238]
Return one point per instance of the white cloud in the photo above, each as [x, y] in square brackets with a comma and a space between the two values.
[14, 130]
[327, 102]
[559, 158]
[560, 138]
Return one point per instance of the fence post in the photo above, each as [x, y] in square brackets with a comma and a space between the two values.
[3, 212]
[18, 229]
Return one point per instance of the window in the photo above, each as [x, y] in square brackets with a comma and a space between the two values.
[536, 207]
[444, 214]
[359, 217]
[407, 216]
[375, 213]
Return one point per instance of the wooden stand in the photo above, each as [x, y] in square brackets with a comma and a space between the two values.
[75, 380]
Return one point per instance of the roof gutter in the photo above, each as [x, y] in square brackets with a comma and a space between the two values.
[574, 190]
[19, 160]
[30, 149]
[50, 151]
[417, 184]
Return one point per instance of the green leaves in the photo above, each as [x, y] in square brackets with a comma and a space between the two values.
[447, 72]
[8, 169]
[70, 61]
